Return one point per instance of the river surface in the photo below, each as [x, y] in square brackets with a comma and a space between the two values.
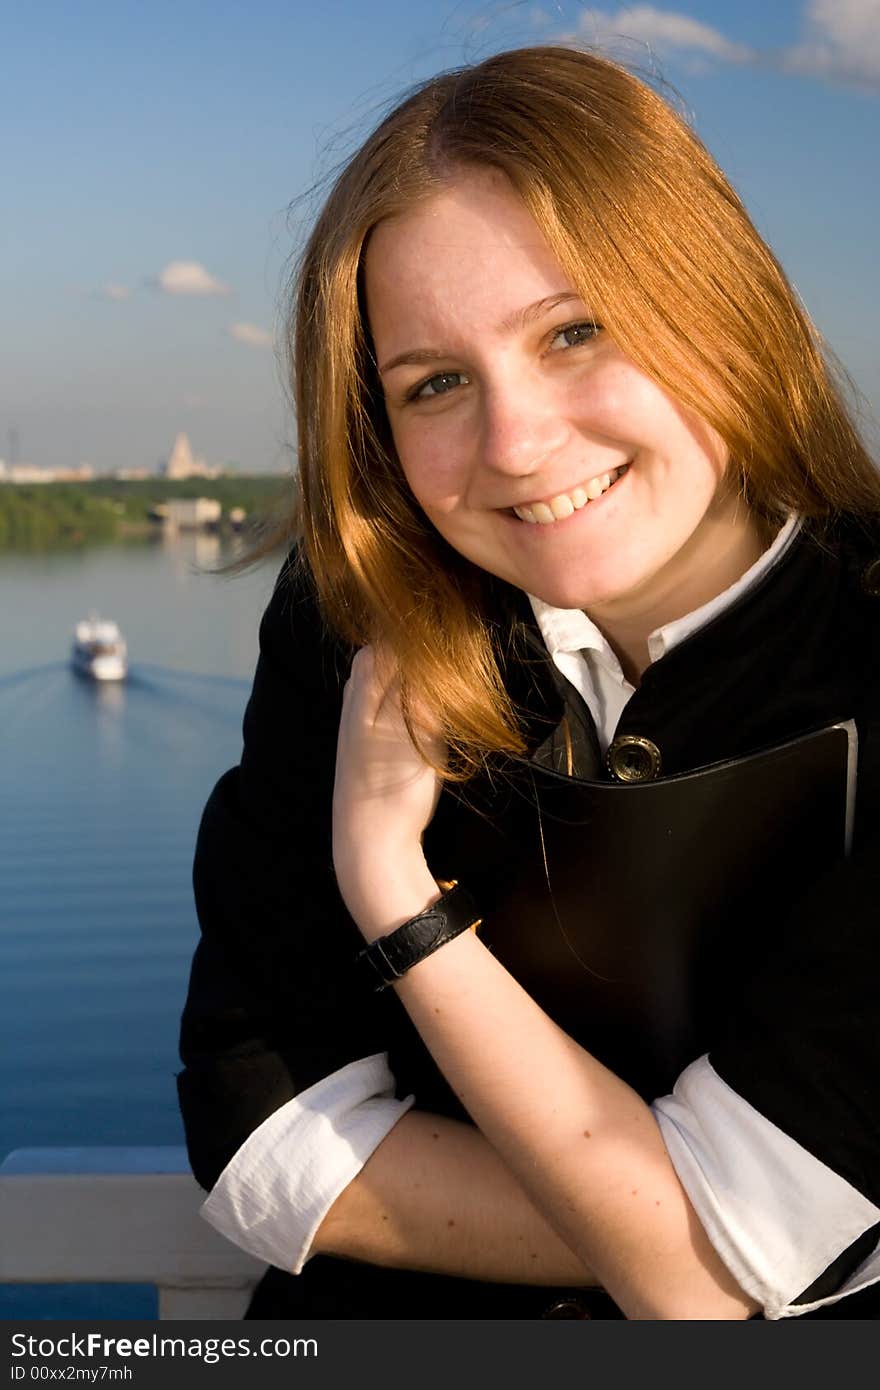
[101, 791]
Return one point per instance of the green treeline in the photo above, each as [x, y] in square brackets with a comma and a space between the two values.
[49, 515]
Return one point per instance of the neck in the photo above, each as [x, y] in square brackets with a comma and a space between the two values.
[726, 544]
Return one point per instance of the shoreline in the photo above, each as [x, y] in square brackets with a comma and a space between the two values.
[72, 515]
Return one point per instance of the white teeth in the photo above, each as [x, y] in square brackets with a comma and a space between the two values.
[566, 503]
[541, 512]
[561, 506]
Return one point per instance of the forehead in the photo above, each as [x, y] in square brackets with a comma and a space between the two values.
[445, 261]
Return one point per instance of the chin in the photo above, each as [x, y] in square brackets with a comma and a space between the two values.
[580, 592]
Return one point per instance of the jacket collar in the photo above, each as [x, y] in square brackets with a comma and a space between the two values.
[780, 611]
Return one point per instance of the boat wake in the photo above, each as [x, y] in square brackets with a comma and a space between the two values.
[145, 669]
[54, 691]
[12, 678]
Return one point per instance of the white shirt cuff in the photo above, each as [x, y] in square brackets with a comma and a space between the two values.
[277, 1188]
[777, 1215]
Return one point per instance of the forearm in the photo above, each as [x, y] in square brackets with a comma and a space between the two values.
[585, 1148]
[436, 1197]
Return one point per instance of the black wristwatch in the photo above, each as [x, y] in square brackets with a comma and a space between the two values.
[389, 957]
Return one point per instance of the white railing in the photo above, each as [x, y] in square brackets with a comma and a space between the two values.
[114, 1215]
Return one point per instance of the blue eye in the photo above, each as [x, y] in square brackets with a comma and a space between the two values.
[438, 385]
[573, 334]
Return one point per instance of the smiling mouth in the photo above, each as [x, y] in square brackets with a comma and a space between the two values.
[566, 503]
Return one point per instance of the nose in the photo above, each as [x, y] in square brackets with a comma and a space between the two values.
[521, 429]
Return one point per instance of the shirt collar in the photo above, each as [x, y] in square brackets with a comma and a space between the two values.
[570, 630]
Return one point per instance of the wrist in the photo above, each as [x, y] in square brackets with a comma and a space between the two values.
[386, 959]
[387, 897]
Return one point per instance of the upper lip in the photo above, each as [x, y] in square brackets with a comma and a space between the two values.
[547, 497]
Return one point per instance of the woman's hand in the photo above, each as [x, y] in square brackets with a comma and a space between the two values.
[384, 797]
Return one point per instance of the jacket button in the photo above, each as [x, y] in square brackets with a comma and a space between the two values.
[871, 579]
[631, 758]
[567, 1308]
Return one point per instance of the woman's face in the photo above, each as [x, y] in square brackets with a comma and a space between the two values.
[536, 448]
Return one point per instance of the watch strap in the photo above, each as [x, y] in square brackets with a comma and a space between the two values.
[390, 957]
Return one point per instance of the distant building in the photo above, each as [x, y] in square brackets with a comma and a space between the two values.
[131, 475]
[28, 473]
[84, 474]
[181, 464]
[187, 513]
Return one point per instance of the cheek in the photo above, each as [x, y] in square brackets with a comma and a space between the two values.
[626, 401]
[433, 463]
[624, 404]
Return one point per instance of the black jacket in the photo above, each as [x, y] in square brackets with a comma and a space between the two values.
[275, 1003]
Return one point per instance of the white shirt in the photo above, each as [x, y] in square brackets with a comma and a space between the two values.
[775, 1214]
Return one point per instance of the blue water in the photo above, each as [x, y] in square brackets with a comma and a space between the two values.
[100, 797]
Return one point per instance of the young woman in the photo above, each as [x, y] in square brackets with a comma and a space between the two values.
[538, 933]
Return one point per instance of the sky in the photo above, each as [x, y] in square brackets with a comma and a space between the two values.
[158, 159]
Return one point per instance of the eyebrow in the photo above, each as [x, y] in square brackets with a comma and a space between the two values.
[521, 318]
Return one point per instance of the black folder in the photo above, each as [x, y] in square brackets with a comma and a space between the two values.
[635, 914]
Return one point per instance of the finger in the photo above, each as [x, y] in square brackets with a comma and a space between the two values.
[368, 688]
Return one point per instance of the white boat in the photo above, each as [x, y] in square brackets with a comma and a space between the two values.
[99, 650]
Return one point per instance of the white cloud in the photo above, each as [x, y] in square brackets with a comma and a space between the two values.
[117, 292]
[842, 41]
[249, 333]
[188, 277]
[660, 29]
